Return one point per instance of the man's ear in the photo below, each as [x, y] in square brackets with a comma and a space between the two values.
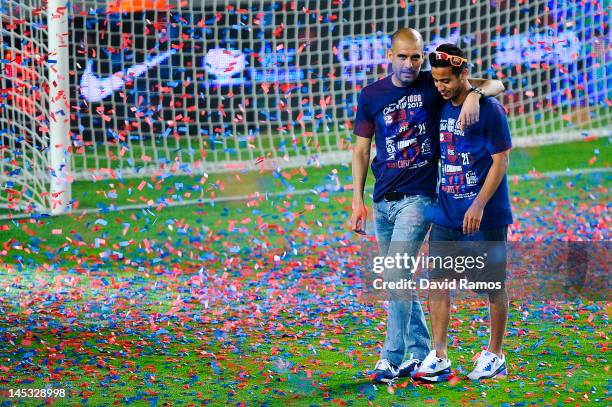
[464, 73]
[390, 55]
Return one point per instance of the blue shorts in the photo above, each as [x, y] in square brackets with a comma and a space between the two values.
[479, 257]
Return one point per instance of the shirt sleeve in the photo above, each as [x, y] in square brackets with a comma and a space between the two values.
[498, 131]
[364, 124]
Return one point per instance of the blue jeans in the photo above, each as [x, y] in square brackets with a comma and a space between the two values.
[401, 227]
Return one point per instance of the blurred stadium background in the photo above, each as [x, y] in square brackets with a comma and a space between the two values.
[147, 104]
[116, 89]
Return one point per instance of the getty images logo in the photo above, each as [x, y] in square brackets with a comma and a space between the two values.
[95, 89]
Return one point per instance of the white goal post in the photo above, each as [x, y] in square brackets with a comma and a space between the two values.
[127, 88]
[59, 105]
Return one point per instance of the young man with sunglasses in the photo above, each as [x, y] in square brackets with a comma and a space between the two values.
[401, 112]
[471, 217]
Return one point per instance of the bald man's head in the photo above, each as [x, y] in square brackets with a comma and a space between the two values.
[406, 56]
[408, 35]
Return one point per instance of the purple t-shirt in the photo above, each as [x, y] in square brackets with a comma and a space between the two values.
[465, 159]
[404, 121]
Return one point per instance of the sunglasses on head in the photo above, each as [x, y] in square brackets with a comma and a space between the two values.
[454, 60]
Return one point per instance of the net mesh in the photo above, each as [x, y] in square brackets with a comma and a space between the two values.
[163, 85]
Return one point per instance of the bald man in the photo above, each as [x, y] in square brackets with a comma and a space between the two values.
[401, 112]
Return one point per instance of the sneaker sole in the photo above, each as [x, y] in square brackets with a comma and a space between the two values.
[501, 371]
[441, 376]
[380, 379]
[384, 381]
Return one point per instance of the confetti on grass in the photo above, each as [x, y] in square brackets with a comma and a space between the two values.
[261, 302]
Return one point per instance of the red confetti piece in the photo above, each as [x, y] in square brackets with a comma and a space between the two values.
[279, 30]
[28, 231]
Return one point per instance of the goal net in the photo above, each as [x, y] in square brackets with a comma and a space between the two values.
[168, 86]
[34, 106]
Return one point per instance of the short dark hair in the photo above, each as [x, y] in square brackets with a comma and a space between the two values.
[450, 49]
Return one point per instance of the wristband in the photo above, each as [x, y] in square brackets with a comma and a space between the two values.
[479, 91]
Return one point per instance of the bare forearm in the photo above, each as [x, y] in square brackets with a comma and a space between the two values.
[470, 111]
[361, 160]
[490, 87]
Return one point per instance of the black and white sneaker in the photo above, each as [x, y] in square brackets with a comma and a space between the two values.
[385, 372]
[408, 367]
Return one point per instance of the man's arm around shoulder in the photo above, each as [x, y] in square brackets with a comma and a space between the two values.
[470, 111]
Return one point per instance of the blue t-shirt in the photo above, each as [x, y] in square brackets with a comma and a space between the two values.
[405, 122]
[465, 159]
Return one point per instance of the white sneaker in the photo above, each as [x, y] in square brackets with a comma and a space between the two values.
[433, 369]
[488, 365]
